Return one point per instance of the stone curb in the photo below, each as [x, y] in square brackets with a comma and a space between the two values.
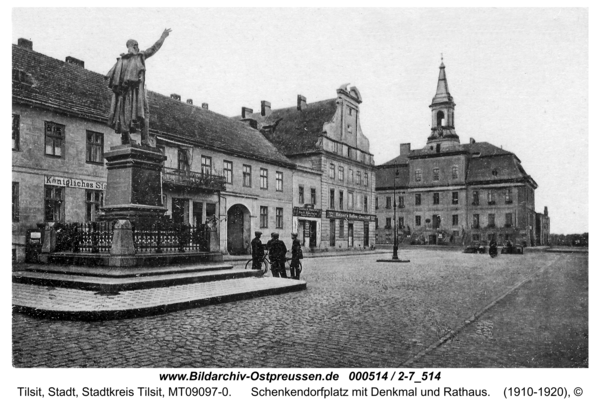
[137, 312]
[470, 320]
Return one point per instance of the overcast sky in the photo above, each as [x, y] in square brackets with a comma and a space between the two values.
[519, 77]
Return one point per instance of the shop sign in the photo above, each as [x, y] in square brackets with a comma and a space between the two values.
[306, 213]
[350, 216]
[73, 182]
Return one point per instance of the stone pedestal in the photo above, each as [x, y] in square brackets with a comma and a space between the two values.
[133, 188]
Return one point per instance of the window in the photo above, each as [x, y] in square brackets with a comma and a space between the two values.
[350, 200]
[93, 201]
[340, 173]
[313, 196]
[376, 202]
[490, 195]
[491, 237]
[301, 195]
[508, 220]
[418, 176]
[508, 197]
[388, 202]
[15, 201]
[366, 203]
[401, 202]
[279, 181]
[54, 198]
[475, 237]
[16, 132]
[331, 170]
[366, 179]
[279, 218]
[55, 137]
[417, 220]
[436, 174]
[351, 176]
[475, 221]
[331, 199]
[437, 221]
[436, 198]
[358, 177]
[183, 163]
[417, 199]
[388, 223]
[247, 175]
[401, 222]
[341, 228]
[94, 147]
[264, 217]
[228, 171]
[341, 200]
[454, 198]
[491, 220]
[454, 220]
[264, 178]
[475, 197]
[455, 172]
[206, 165]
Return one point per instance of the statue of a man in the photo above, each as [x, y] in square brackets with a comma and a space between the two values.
[129, 109]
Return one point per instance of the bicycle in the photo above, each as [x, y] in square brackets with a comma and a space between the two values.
[266, 264]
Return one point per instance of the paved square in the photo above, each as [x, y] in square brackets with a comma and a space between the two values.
[355, 313]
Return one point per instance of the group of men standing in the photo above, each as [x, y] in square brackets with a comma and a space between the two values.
[277, 251]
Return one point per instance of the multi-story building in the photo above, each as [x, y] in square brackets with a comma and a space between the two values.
[447, 192]
[324, 139]
[218, 170]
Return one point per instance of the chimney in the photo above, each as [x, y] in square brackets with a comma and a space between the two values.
[205, 106]
[175, 96]
[265, 108]
[301, 102]
[471, 140]
[246, 111]
[23, 43]
[189, 102]
[75, 61]
[545, 211]
[404, 149]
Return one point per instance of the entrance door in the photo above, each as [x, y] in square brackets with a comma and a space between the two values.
[313, 234]
[238, 229]
[350, 234]
[197, 212]
[179, 212]
[432, 239]
[332, 232]
[366, 234]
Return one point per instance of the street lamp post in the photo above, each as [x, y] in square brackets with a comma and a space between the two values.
[395, 252]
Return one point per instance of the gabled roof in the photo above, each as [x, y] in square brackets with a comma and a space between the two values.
[295, 131]
[71, 89]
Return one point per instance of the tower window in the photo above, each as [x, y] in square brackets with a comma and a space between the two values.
[440, 118]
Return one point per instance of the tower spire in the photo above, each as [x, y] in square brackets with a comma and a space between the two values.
[442, 111]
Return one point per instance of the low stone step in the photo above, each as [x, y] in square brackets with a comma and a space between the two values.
[68, 303]
[112, 284]
[121, 272]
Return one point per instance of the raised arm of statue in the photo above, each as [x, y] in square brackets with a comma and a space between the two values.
[153, 49]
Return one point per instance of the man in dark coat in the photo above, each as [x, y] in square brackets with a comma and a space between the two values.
[258, 252]
[281, 250]
[272, 248]
[296, 256]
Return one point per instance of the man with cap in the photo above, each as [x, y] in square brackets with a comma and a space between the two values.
[258, 252]
[280, 250]
[273, 257]
[296, 256]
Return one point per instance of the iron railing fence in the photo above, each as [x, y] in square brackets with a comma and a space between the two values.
[162, 237]
[89, 237]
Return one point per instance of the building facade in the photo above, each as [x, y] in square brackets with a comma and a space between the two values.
[453, 193]
[334, 165]
[218, 171]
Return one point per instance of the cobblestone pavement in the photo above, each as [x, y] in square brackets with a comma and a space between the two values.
[355, 313]
[542, 324]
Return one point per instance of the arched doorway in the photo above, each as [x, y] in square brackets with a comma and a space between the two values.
[238, 229]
